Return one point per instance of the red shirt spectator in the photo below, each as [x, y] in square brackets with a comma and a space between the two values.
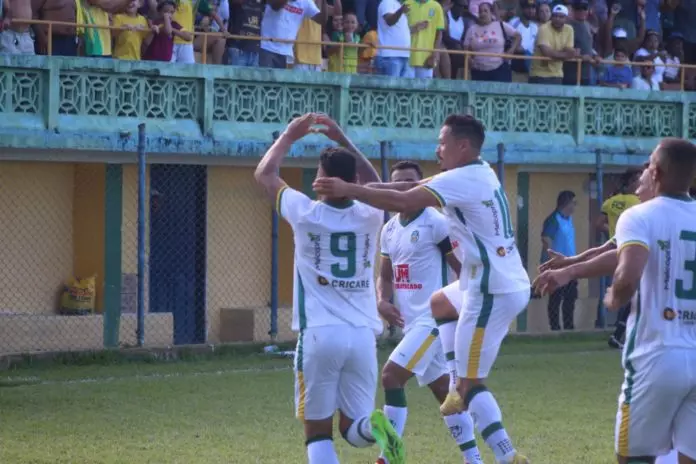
[162, 44]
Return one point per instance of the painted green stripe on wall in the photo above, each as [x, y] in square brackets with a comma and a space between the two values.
[113, 218]
[523, 234]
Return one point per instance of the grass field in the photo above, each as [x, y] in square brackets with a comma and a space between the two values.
[558, 399]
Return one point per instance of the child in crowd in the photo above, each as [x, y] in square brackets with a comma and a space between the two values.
[161, 45]
[618, 75]
[348, 62]
[128, 41]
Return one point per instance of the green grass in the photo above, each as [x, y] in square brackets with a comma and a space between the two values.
[558, 399]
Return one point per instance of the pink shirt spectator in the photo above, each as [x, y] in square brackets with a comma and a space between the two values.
[161, 47]
[488, 39]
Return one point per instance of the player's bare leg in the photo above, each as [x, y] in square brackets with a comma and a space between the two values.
[446, 316]
[683, 459]
[319, 441]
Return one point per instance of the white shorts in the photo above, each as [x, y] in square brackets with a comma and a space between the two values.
[419, 352]
[455, 295]
[671, 458]
[183, 53]
[657, 406]
[335, 368]
[484, 322]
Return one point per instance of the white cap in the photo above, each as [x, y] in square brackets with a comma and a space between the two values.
[620, 33]
[560, 9]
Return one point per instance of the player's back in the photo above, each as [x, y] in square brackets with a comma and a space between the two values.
[666, 313]
[335, 248]
[480, 222]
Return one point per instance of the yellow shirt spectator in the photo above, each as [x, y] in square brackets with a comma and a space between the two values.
[557, 40]
[183, 16]
[614, 206]
[310, 31]
[97, 41]
[431, 12]
[368, 54]
[128, 44]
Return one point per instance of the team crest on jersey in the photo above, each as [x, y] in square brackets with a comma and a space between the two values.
[431, 12]
[414, 236]
[322, 281]
[669, 314]
[501, 252]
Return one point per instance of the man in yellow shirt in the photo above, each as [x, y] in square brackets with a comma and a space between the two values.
[97, 41]
[555, 41]
[426, 21]
[183, 49]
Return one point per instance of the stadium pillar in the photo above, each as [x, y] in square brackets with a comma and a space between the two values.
[113, 218]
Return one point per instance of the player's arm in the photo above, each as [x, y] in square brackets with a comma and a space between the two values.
[592, 252]
[601, 265]
[385, 280]
[267, 172]
[366, 171]
[632, 238]
[400, 186]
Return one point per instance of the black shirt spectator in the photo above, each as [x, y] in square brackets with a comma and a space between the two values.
[245, 19]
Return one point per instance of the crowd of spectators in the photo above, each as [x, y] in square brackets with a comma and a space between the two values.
[600, 37]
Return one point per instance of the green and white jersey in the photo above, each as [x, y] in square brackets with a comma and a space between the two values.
[415, 249]
[335, 249]
[480, 224]
[665, 314]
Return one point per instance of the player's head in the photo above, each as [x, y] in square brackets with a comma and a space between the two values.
[406, 171]
[673, 166]
[629, 180]
[565, 203]
[460, 141]
[337, 162]
[646, 187]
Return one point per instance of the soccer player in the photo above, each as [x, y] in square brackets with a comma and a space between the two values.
[416, 257]
[335, 306]
[657, 255]
[498, 285]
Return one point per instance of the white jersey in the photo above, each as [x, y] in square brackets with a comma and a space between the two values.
[665, 313]
[479, 216]
[419, 266]
[335, 247]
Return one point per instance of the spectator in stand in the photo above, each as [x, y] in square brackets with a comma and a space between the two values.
[528, 31]
[651, 51]
[63, 38]
[97, 42]
[685, 24]
[674, 55]
[245, 20]
[393, 31]
[212, 17]
[632, 14]
[555, 41]
[618, 75]
[15, 36]
[490, 36]
[183, 49]
[161, 45]
[617, 37]
[582, 42]
[543, 13]
[334, 53]
[426, 21]
[347, 57]
[128, 41]
[282, 20]
[367, 55]
[646, 79]
[453, 37]
[307, 56]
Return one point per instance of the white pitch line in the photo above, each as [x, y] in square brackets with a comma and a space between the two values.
[36, 381]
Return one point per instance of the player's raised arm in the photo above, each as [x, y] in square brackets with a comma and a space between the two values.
[267, 172]
[385, 291]
[366, 171]
[559, 261]
[598, 266]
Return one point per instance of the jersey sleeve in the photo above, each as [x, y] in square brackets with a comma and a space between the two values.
[439, 18]
[291, 204]
[448, 187]
[606, 206]
[383, 242]
[632, 229]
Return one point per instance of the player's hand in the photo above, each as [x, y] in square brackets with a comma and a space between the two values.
[300, 126]
[550, 281]
[390, 313]
[557, 261]
[610, 301]
[331, 186]
[328, 127]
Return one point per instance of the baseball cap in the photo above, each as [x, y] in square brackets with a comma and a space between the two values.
[620, 33]
[560, 9]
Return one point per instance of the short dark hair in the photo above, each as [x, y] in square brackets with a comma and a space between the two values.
[565, 197]
[163, 3]
[468, 127]
[629, 176]
[338, 162]
[403, 165]
[679, 156]
[620, 50]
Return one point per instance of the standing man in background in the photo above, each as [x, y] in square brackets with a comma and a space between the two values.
[558, 236]
[15, 37]
[426, 21]
[183, 49]
[612, 208]
[63, 38]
